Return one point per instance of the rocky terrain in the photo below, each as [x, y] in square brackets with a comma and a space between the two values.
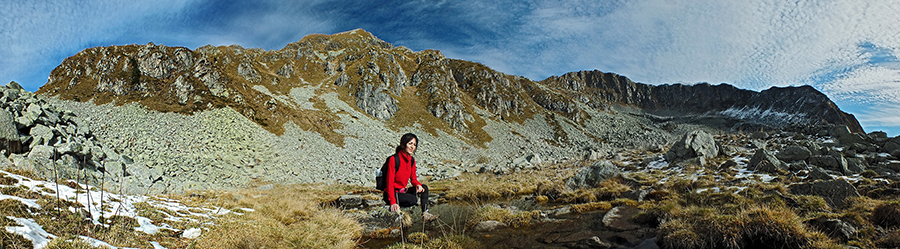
[329, 107]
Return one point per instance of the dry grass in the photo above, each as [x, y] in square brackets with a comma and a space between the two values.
[445, 242]
[285, 217]
[591, 206]
[887, 215]
[11, 240]
[753, 227]
[483, 188]
[68, 242]
[512, 219]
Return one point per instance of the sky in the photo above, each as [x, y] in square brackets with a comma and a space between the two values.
[847, 49]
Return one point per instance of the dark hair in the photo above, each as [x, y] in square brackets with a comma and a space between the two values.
[404, 140]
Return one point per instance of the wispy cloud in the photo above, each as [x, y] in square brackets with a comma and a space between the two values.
[845, 48]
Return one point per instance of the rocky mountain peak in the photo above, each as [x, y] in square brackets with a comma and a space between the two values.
[395, 85]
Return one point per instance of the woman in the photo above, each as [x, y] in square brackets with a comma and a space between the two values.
[396, 192]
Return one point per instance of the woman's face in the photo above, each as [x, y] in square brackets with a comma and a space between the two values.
[411, 146]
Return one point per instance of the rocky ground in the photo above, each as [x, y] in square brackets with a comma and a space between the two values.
[839, 168]
[221, 148]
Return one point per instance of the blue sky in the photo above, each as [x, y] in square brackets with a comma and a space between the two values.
[847, 49]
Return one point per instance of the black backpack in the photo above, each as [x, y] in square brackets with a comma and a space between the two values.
[381, 175]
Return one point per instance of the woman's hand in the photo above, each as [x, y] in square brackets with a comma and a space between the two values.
[395, 207]
[419, 189]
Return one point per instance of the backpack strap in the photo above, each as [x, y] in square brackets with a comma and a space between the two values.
[396, 163]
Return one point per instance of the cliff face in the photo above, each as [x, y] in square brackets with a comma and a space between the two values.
[776, 106]
[386, 82]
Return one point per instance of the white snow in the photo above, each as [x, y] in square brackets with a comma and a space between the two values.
[121, 205]
[192, 233]
[100, 244]
[28, 202]
[31, 231]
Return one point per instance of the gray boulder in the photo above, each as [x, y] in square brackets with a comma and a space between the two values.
[620, 218]
[350, 201]
[764, 161]
[854, 138]
[9, 135]
[489, 225]
[835, 192]
[831, 162]
[590, 177]
[794, 153]
[839, 131]
[856, 165]
[818, 174]
[834, 228]
[890, 147]
[694, 144]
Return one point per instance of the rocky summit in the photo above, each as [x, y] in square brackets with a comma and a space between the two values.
[330, 108]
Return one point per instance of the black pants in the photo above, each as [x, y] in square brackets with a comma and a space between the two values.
[409, 198]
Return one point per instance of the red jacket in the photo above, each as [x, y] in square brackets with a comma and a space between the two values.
[399, 180]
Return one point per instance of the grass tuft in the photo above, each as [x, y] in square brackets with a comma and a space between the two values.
[887, 215]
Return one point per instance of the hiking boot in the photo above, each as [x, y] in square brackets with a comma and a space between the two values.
[427, 217]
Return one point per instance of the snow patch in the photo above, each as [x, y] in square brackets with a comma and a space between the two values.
[31, 231]
[767, 116]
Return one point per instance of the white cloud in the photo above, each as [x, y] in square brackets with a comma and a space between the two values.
[43, 33]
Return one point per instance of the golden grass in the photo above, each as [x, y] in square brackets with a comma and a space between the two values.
[513, 219]
[68, 242]
[887, 215]
[11, 240]
[285, 217]
[591, 206]
[757, 226]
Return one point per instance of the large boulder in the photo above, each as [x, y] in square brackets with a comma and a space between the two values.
[764, 161]
[834, 228]
[694, 144]
[831, 162]
[835, 192]
[794, 153]
[590, 177]
[9, 135]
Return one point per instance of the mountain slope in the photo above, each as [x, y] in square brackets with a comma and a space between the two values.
[343, 99]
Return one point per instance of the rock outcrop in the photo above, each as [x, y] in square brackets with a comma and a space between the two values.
[778, 107]
[53, 143]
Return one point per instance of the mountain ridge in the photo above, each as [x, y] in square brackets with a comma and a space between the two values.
[373, 74]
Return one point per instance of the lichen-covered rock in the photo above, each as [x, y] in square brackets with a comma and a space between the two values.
[694, 144]
[794, 153]
[764, 161]
[590, 177]
[831, 162]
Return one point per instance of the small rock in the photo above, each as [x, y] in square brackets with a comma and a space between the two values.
[593, 243]
[351, 201]
[489, 225]
[619, 218]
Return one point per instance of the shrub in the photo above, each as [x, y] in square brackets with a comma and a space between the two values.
[753, 227]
